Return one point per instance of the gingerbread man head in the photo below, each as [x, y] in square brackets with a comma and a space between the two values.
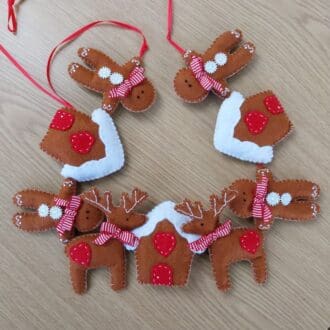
[124, 84]
[209, 71]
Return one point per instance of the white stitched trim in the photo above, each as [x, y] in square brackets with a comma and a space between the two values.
[228, 117]
[164, 211]
[114, 152]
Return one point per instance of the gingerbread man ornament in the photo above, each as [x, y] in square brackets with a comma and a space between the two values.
[124, 84]
[209, 71]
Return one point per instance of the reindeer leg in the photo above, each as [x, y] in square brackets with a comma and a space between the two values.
[220, 269]
[260, 268]
[118, 275]
[78, 278]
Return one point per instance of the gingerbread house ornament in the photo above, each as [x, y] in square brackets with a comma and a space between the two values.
[248, 128]
[163, 256]
[89, 147]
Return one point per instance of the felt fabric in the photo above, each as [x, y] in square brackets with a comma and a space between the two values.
[220, 62]
[104, 76]
[89, 252]
[87, 218]
[248, 129]
[301, 206]
[89, 147]
[235, 245]
[163, 256]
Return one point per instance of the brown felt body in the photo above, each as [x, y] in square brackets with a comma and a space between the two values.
[110, 255]
[179, 259]
[303, 206]
[188, 87]
[57, 143]
[141, 97]
[227, 250]
[278, 126]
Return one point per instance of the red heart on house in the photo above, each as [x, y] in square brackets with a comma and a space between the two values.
[62, 120]
[255, 121]
[164, 243]
[162, 274]
[250, 241]
[273, 105]
[81, 253]
[82, 142]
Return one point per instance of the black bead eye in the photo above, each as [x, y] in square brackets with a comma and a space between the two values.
[142, 92]
[202, 224]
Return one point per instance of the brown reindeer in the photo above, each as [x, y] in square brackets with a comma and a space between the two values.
[106, 248]
[42, 212]
[226, 245]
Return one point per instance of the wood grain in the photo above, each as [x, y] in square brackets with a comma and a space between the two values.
[169, 154]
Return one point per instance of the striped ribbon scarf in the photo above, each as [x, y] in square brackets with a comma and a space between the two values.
[70, 211]
[109, 230]
[205, 241]
[260, 209]
[207, 82]
[124, 89]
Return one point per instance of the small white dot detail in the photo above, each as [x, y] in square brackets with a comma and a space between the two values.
[43, 211]
[220, 59]
[116, 78]
[55, 212]
[210, 67]
[104, 72]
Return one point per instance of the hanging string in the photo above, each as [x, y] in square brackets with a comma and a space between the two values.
[144, 46]
[169, 28]
[12, 22]
[19, 67]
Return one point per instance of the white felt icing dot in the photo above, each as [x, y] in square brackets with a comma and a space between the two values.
[210, 66]
[220, 59]
[273, 198]
[104, 72]
[55, 212]
[286, 199]
[116, 78]
[43, 211]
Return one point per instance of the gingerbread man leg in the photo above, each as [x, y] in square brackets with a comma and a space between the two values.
[34, 221]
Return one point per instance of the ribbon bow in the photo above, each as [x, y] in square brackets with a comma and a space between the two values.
[207, 82]
[205, 241]
[70, 211]
[124, 89]
[109, 230]
[260, 209]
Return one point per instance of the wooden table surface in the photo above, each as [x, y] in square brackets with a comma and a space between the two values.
[170, 154]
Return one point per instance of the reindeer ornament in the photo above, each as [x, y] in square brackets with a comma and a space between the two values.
[118, 84]
[267, 199]
[106, 249]
[226, 245]
[64, 211]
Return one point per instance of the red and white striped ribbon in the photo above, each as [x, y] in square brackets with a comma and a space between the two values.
[124, 89]
[260, 209]
[110, 230]
[205, 241]
[207, 82]
[70, 211]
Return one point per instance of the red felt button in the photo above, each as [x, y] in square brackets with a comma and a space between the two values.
[250, 241]
[81, 254]
[273, 105]
[162, 274]
[82, 142]
[62, 120]
[255, 121]
[164, 243]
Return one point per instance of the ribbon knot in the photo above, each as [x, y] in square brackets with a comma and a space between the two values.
[135, 78]
[12, 22]
[259, 208]
[70, 211]
[109, 230]
[200, 245]
[207, 82]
